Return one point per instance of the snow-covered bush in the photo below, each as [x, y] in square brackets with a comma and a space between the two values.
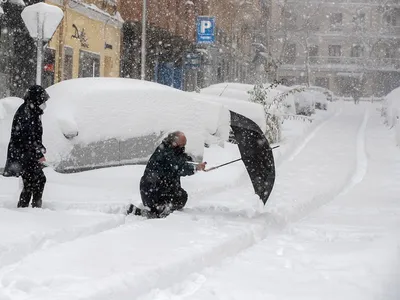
[276, 103]
[391, 112]
[305, 103]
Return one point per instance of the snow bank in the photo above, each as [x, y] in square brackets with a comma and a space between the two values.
[391, 111]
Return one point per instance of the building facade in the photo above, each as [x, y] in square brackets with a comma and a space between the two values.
[86, 44]
[347, 46]
[239, 38]
[171, 32]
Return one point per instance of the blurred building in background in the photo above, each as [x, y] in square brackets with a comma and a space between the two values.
[351, 47]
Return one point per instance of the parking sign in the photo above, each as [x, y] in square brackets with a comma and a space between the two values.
[205, 30]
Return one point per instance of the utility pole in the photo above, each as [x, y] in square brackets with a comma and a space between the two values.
[143, 59]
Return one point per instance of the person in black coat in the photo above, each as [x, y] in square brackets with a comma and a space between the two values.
[160, 185]
[25, 156]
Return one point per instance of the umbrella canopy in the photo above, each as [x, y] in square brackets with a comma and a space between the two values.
[256, 154]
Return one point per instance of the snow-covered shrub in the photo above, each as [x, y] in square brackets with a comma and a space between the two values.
[275, 104]
[305, 103]
[391, 112]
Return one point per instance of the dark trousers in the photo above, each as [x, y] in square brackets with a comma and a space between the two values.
[158, 199]
[34, 182]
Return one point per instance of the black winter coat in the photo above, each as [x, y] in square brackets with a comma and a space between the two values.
[25, 147]
[165, 168]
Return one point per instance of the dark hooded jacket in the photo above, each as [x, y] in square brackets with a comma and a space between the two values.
[165, 168]
[25, 147]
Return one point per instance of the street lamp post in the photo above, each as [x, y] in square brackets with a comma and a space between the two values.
[143, 58]
[39, 52]
[41, 20]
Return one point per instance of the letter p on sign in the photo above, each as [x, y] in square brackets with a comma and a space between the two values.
[205, 25]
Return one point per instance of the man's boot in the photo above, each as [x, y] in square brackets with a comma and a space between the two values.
[37, 203]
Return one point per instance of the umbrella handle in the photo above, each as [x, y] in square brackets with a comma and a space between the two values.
[219, 166]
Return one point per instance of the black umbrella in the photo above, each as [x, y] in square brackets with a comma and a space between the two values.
[256, 154]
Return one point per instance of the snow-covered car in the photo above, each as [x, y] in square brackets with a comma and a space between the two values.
[240, 92]
[99, 122]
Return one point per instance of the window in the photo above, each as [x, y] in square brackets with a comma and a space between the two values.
[334, 50]
[49, 67]
[391, 19]
[290, 19]
[357, 51]
[313, 53]
[359, 19]
[336, 21]
[68, 63]
[89, 64]
[290, 54]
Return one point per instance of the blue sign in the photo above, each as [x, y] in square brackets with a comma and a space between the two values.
[205, 30]
[192, 60]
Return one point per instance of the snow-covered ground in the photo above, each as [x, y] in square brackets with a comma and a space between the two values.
[328, 231]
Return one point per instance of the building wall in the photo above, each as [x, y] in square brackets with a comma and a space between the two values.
[174, 22]
[86, 32]
[379, 40]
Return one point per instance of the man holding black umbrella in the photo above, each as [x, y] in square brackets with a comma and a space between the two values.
[160, 185]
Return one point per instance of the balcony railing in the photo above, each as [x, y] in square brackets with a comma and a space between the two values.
[340, 62]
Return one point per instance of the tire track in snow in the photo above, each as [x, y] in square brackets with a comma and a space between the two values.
[310, 136]
[27, 245]
[361, 157]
